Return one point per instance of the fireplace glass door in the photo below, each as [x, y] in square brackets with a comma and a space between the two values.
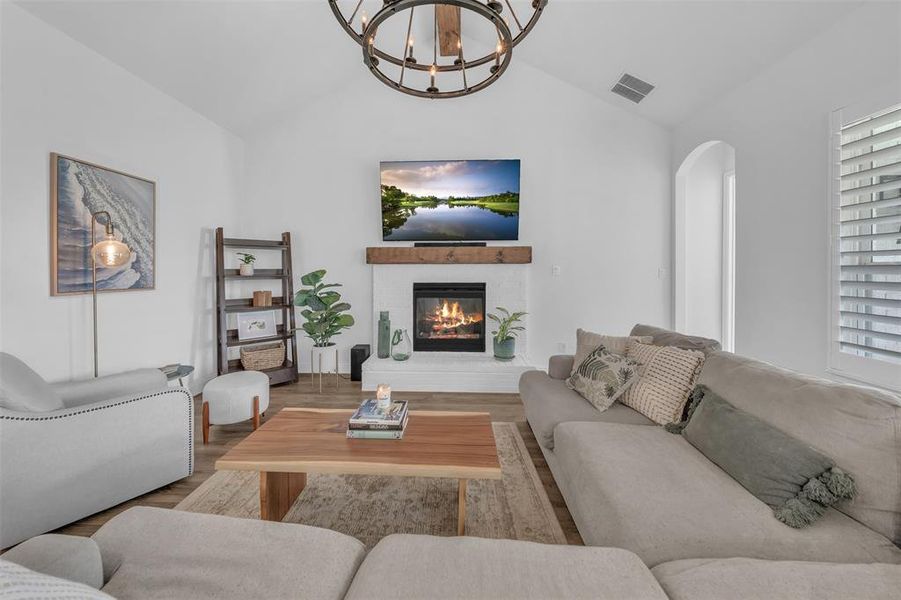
[449, 317]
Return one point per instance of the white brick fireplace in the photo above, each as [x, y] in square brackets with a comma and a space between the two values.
[506, 285]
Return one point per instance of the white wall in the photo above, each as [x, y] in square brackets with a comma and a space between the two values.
[595, 194]
[700, 309]
[778, 124]
[59, 96]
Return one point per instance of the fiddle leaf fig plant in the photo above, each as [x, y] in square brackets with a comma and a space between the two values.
[507, 327]
[324, 312]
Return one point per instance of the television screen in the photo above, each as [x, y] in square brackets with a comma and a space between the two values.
[450, 200]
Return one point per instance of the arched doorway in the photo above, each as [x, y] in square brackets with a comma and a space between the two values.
[704, 243]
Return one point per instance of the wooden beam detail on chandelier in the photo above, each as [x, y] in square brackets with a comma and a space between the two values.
[448, 28]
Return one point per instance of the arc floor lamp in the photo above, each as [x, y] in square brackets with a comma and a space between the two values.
[108, 252]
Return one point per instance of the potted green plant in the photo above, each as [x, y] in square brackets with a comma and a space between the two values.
[325, 314]
[505, 334]
[247, 261]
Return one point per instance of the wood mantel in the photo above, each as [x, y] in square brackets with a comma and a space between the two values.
[449, 255]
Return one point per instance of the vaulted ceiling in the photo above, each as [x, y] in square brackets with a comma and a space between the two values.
[244, 63]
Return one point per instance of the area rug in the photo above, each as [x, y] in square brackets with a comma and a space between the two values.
[371, 507]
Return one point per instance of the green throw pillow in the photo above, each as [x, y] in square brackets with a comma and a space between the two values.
[797, 481]
[603, 377]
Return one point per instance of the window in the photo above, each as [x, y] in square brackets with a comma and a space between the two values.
[865, 321]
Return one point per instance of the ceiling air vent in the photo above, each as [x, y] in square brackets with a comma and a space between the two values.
[632, 88]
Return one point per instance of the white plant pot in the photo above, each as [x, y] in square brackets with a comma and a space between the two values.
[324, 361]
[326, 356]
[246, 269]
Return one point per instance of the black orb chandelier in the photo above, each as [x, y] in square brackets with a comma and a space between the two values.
[443, 69]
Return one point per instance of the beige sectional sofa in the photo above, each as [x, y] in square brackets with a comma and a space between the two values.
[659, 519]
[153, 553]
[631, 484]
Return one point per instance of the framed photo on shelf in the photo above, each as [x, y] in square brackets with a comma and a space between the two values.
[256, 325]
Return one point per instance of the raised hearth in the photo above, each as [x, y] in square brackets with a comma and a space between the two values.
[445, 372]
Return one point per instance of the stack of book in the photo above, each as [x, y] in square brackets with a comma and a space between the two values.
[371, 422]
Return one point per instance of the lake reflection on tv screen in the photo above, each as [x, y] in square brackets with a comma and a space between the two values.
[450, 200]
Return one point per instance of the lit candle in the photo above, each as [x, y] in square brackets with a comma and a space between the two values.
[383, 395]
[432, 72]
[364, 20]
[460, 50]
[410, 50]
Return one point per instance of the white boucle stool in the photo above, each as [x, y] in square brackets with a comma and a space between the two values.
[233, 398]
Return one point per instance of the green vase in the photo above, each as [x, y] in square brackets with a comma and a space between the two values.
[505, 350]
[384, 346]
[401, 348]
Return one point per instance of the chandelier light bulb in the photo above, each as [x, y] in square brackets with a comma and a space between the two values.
[364, 18]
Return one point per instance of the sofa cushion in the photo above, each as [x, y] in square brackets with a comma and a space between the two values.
[23, 390]
[665, 337]
[419, 566]
[668, 375]
[20, 583]
[653, 493]
[857, 427]
[69, 557]
[751, 579]
[587, 341]
[548, 402]
[159, 553]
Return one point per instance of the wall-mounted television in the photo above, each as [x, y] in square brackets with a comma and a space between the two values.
[450, 200]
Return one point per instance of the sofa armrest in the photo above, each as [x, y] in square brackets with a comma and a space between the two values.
[560, 366]
[129, 383]
[69, 557]
[60, 466]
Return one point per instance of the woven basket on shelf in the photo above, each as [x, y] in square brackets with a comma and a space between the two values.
[264, 356]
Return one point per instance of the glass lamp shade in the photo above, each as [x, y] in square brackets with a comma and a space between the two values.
[110, 252]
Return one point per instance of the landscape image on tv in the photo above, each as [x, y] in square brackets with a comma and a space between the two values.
[450, 200]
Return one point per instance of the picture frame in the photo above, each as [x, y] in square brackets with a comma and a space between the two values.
[79, 188]
[256, 325]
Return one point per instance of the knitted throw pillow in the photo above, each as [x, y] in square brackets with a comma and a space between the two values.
[798, 482]
[602, 377]
[667, 378]
[19, 583]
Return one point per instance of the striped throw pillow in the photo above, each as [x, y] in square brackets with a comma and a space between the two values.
[667, 378]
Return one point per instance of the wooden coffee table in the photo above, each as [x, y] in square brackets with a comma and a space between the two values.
[297, 441]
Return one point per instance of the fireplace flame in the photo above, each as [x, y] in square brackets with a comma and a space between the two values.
[449, 316]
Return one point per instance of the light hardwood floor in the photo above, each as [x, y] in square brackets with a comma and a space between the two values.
[502, 407]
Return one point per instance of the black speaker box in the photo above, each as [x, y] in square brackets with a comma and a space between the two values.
[358, 355]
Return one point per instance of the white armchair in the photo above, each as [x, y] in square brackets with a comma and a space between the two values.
[70, 450]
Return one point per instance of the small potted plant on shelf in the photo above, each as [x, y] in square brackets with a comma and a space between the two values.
[325, 314]
[247, 261]
[505, 335]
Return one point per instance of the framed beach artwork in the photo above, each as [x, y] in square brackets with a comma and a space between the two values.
[77, 190]
[255, 325]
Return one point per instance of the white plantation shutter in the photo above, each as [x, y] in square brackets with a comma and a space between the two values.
[867, 248]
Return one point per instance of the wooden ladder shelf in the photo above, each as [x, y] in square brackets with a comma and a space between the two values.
[228, 338]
